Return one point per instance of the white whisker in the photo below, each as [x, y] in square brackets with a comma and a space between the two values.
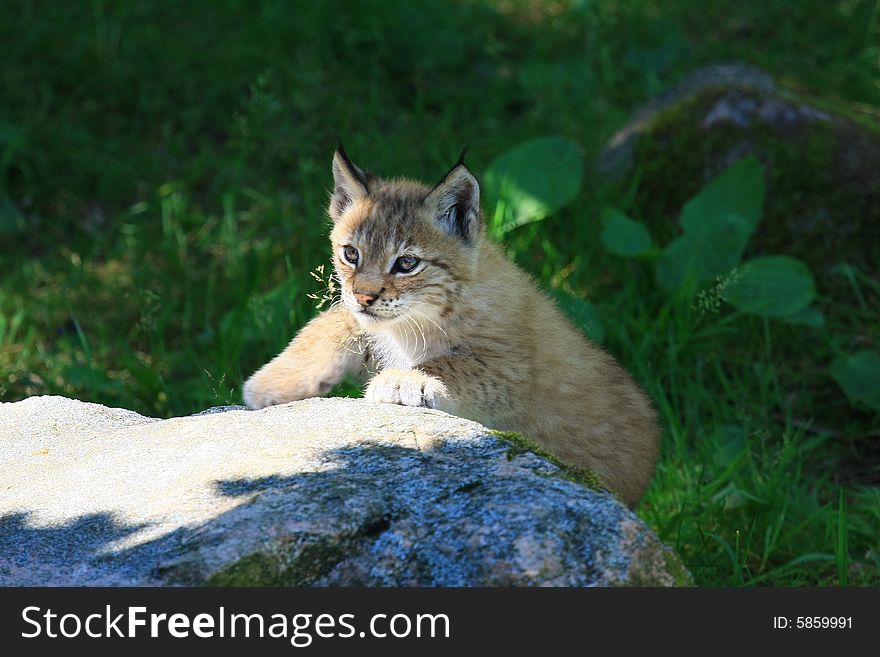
[426, 316]
[411, 322]
[424, 339]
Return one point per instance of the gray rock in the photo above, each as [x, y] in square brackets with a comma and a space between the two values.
[821, 165]
[317, 492]
[221, 409]
[618, 157]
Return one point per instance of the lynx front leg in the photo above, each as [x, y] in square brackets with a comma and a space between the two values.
[321, 354]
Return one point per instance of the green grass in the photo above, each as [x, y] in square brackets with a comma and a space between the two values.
[164, 171]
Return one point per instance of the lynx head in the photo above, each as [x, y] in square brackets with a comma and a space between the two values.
[403, 250]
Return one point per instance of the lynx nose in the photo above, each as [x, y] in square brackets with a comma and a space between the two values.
[366, 299]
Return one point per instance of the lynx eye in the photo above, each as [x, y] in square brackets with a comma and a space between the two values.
[405, 264]
[350, 254]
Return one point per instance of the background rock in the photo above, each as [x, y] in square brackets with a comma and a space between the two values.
[822, 164]
[317, 492]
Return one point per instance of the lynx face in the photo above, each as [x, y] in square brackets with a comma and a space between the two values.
[401, 250]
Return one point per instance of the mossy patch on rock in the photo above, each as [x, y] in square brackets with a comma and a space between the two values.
[520, 444]
[253, 570]
[652, 563]
[296, 568]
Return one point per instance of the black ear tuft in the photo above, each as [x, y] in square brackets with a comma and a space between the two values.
[350, 183]
[455, 202]
[362, 177]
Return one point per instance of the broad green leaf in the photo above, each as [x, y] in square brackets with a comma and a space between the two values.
[809, 316]
[623, 236]
[698, 256]
[859, 376]
[582, 313]
[531, 181]
[772, 286]
[738, 190]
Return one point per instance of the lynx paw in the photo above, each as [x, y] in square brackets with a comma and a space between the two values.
[265, 389]
[256, 395]
[406, 387]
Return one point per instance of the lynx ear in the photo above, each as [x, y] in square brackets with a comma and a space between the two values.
[455, 202]
[350, 184]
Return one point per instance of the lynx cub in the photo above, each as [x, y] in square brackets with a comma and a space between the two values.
[450, 323]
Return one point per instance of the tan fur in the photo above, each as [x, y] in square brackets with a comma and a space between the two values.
[468, 333]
